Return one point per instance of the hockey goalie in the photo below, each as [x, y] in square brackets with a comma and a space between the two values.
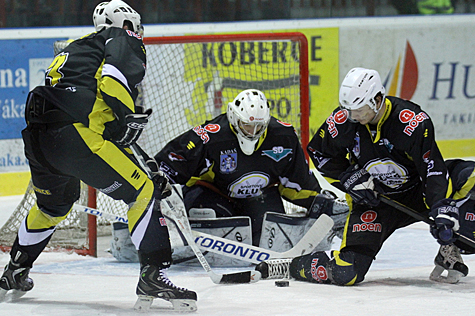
[236, 170]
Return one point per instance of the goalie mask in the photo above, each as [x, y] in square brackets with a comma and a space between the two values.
[249, 115]
[116, 13]
[359, 88]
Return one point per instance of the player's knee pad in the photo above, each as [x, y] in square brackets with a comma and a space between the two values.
[312, 268]
[348, 268]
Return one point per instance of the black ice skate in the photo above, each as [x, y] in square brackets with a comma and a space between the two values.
[274, 268]
[449, 259]
[14, 282]
[154, 283]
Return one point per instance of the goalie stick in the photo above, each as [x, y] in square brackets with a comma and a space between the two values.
[239, 250]
[401, 207]
[179, 218]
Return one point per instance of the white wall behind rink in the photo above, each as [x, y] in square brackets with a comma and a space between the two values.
[443, 47]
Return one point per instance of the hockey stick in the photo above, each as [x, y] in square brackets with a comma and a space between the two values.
[239, 250]
[401, 207]
[179, 218]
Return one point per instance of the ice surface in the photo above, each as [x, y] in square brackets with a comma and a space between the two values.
[397, 284]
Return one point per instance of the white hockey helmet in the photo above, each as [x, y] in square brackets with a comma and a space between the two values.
[359, 88]
[114, 14]
[249, 115]
[98, 16]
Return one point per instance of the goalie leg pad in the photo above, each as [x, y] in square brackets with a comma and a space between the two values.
[121, 246]
[237, 228]
[280, 232]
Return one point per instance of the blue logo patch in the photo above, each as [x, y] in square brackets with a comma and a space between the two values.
[228, 162]
[277, 153]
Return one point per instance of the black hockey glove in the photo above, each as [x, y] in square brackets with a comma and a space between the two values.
[327, 203]
[135, 124]
[446, 220]
[160, 179]
[360, 185]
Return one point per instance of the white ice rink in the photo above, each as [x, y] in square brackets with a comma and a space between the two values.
[397, 284]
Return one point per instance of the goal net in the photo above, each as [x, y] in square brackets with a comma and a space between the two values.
[191, 79]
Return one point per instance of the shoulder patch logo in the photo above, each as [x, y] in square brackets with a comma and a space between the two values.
[277, 153]
[228, 162]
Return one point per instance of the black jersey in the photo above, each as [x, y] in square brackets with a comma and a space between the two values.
[95, 78]
[211, 152]
[400, 151]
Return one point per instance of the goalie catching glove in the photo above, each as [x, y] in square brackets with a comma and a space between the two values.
[360, 185]
[134, 126]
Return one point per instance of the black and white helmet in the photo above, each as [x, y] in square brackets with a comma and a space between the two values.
[249, 115]
[113, 14]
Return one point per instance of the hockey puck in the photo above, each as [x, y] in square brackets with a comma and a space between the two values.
[282, 283]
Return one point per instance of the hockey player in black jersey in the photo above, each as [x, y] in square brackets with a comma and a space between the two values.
[373, 143]
[80, 125]
[243, 163]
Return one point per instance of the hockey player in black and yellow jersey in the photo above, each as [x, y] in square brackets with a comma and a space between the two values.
[374, 143]
[80, 125]
[241, 163]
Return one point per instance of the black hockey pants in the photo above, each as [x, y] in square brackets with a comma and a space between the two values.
[61, 156]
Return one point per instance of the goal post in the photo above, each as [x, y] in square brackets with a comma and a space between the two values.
[191, 79]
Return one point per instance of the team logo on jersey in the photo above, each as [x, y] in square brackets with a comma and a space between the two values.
[368, 224]
[277, 153]
[228, 162]
[340, 117]
[319, 273]
[202, 133]
[412, 120]
[388, 172]
[249, 185]
[336, 118]
[212, 128]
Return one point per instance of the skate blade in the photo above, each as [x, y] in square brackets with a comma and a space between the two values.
[184, 305]
[10, 295]
[3, 294]
[144, 303]
[453, 276]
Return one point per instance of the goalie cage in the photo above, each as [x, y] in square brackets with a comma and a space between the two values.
[191, 79]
